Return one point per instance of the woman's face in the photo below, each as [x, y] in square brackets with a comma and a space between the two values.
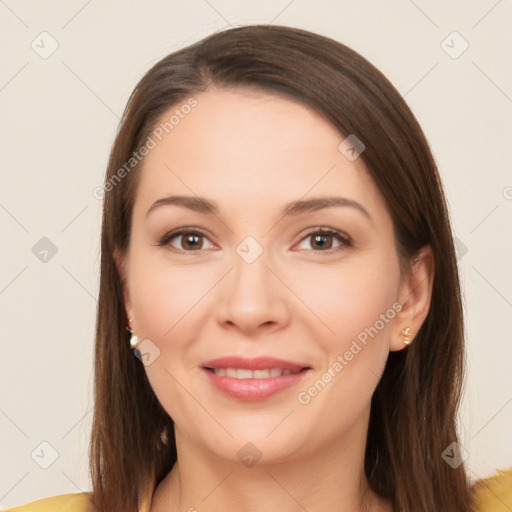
[250, 275]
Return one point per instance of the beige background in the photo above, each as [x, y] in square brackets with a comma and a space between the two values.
[59, 115]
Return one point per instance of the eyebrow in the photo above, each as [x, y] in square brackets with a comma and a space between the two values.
[208, 207]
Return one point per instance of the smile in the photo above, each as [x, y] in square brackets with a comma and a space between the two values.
[252, 379]
[244, 373]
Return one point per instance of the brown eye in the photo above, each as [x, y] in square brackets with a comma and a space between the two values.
[325, 239]
[183, 240]
[191, 241]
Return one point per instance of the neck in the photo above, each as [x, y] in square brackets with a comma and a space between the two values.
[328, 479]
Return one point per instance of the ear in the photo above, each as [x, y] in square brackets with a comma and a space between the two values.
[414, 297]
[121, 265]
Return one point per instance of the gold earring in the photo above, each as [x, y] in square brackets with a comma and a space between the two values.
[406, 332]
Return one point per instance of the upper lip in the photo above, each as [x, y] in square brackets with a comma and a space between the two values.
[256, 363]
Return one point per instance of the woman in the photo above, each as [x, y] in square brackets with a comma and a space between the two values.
[276, 239]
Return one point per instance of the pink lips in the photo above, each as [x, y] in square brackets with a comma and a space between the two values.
[258, 363]
[253, 389]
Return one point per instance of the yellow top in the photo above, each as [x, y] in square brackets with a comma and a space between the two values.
[494, 494]
[64, 503]
[490, 495]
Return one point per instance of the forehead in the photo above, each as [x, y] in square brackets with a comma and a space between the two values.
[250, 148]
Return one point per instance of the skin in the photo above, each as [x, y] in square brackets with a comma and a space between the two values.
[253, 153]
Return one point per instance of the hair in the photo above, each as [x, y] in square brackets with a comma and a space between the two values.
[414, 407]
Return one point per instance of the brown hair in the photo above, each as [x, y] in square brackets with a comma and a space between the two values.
[414, 407]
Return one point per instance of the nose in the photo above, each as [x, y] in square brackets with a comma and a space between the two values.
[252, 297]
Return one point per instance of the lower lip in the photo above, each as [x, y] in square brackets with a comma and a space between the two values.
[254, 389]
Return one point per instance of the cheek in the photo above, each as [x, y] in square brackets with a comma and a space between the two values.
[355, 304]
[165, 297]
[170, 304]
[166, 302]
[351, 299]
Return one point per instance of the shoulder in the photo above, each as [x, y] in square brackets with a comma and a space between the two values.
[493, 494]
[64, 503]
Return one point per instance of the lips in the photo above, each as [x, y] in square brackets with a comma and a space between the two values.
[258, 363]
[253, 379]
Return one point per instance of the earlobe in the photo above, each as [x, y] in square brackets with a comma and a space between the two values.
[414, 297]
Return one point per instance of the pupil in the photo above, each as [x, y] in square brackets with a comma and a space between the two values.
[194, 239]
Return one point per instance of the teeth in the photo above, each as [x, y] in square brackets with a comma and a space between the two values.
[243, 373]
[260, 374]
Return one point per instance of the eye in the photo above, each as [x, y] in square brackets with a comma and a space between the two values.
[185, 240]
[323, 240]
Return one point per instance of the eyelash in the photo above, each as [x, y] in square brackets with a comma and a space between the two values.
[323, 231]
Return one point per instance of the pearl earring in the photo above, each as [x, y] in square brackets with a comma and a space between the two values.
[134, 340]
